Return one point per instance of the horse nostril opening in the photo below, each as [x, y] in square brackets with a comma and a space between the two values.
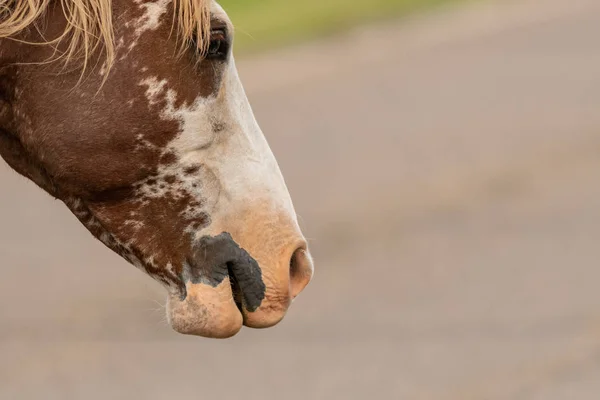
[301, 271]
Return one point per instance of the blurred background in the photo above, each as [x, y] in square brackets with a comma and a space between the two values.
[444, 158]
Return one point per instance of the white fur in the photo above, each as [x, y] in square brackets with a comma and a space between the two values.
[244, 166]
[237, 167]
[151, 19]
[155, 88]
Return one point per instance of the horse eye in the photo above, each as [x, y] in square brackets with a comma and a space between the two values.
[218, 48]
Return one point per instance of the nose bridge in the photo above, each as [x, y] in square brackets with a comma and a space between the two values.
[251, 174]
[255, 206]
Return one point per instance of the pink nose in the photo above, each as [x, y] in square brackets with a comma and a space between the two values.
[301, 271]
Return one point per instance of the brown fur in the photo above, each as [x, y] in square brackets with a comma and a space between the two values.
[90, 26]
[90, 136]
[70, 146]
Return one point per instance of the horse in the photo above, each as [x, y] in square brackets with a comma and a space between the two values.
[132, 113]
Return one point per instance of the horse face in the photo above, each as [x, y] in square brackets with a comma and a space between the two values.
[167, 166]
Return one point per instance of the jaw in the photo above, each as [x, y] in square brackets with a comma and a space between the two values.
[206, 311]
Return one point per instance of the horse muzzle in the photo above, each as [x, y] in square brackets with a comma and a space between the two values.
[227, 288]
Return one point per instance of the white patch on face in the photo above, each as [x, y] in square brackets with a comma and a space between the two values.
[151, 19]
[155, 88]
[244, 170]
[219, 12]
[250, 169]
[245, 165]
[185, 184]
[238, 168]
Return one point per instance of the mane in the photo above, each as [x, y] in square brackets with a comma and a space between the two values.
[90, 25]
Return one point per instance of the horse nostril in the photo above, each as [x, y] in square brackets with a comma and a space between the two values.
[301, 271]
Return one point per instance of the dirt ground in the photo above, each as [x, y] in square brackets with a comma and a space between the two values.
[446, 169]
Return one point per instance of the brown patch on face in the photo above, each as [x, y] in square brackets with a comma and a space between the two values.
[168, 158]
[17, 158]
[86, 134]
[7, 96]
[191, 170]
[218, 127]
[95, 150]
[158, 230]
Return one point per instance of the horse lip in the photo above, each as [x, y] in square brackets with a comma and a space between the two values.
[181, 289]
[236, 290]
[205, 310]
[216, 258]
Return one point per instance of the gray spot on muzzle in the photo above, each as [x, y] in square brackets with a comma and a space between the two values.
[216, 258]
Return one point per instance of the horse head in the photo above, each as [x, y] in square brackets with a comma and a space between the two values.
[132, 113]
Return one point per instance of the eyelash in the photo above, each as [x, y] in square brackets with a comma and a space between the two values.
[218, 48]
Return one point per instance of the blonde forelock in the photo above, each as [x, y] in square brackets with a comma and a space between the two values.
[90, 28]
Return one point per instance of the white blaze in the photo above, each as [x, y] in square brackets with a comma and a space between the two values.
[238, 166]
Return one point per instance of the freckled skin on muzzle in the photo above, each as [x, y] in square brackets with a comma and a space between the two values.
[224, 288]
[221, 283]
[217, 258]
